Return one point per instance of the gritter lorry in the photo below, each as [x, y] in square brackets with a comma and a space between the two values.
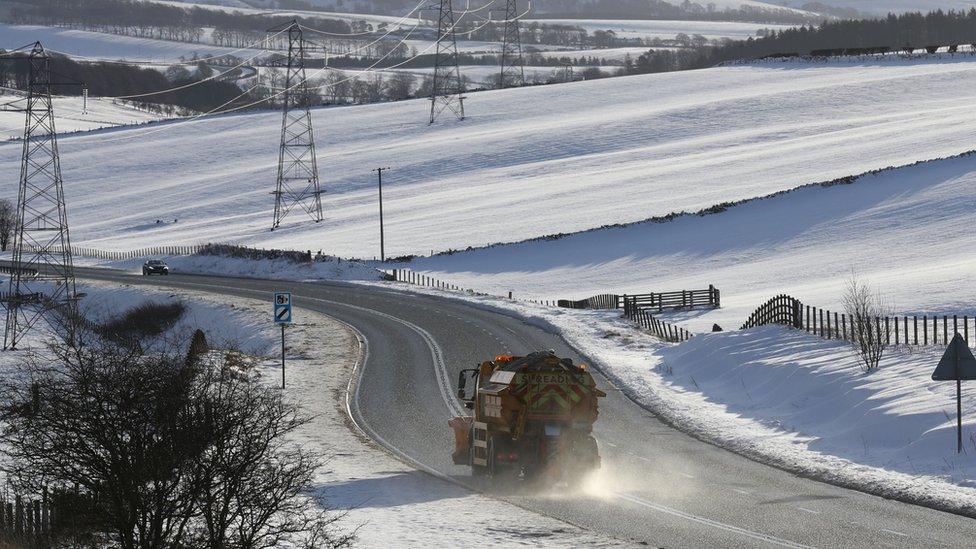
[532, 418]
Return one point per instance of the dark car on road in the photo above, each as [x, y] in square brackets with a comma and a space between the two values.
[155, 267]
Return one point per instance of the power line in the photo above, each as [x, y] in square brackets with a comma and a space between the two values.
[218, 110]
[396, 23]
[298, 174]
[42, 281]
[447, 91]
[337, 34]
[512, 64]
[251, 46]
[214, 76]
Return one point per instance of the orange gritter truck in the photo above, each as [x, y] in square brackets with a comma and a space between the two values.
[532, 418]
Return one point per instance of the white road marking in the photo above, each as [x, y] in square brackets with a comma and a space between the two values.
[900, 534]
[743, 492]
[686, 475]
[709, 522]
[442, 375]
[811, 511]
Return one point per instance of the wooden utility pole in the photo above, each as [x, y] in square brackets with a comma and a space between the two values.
[379, 174]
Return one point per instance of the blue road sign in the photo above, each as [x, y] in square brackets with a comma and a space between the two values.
[282, 307]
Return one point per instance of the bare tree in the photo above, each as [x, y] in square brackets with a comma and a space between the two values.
[426, 86]
[338, 86]
[8, 221]
[867, 308]
[494, 81]
[375, 83]
[400, 86]
[164, 448]
[358, 91]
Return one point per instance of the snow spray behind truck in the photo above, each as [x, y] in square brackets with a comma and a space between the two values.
[532, 418]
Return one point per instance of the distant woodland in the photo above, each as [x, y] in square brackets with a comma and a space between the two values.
[699, 10]
[115, 80]
[152, 20]
[907, 32]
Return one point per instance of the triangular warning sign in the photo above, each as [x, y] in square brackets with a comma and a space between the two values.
[958, 362]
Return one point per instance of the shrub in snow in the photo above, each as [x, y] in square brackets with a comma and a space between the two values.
[867, 308]
[174, 447]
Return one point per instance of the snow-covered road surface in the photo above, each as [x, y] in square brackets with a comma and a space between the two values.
[657, 484]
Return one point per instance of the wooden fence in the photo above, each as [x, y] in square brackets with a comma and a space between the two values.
[10, 270]
[896, 330]
[131, 254]
[636, 307]
[660, 329]
[134, 254]
[602, 301]
[25, 522]
[409, 277]
[227, 250]
[683, 299]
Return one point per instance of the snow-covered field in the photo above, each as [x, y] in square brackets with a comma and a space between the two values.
[271, 5]
[98, 45]
[237, 6]
[628, 28]
[224, 324]
[526, 163]
[616, 54]
[908, 231]
[72, 116]
[483, 75]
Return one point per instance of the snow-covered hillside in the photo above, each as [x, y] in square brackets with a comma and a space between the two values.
[72, 116]
[367, 5]
[99, 45]
[527, 162]
[628, 28]
[253, 7]
[909, 231]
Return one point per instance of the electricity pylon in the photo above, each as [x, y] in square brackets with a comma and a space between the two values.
[447, 91]
[42, 280]
[513, 68]
[298, 173]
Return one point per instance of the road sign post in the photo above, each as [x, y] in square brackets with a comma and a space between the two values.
[957, 364]
[282, 317]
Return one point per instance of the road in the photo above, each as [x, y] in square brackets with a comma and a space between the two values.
[657, 485]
